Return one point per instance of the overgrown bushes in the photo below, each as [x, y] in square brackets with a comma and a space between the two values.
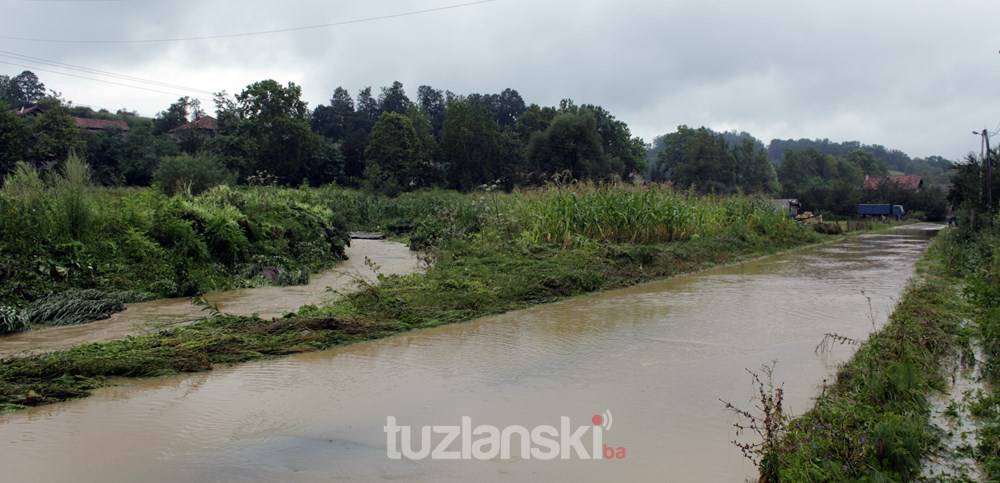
[191, 174]
[62, 233]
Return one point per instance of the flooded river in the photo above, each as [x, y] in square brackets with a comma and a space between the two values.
[390, 258]
[657, 357]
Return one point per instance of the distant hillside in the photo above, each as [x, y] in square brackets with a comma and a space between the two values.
[934, 169]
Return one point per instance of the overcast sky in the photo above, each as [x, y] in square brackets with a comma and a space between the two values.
[915, 75]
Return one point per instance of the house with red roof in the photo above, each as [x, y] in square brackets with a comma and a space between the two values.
[905, 182]
[204, 124]
[99, 125]
[82, 123]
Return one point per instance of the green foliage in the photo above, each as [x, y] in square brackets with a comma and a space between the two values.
[652, 215]
[190, 174]
[397, 158]
[53, 134]
[21, 90]
[471, 145]
[934, 169]
[975, 254]
[571, 145]
[73, 205]
[63, 234]
[710, 163]
[821, 181]
[14, 136]
[177, 115]
[266, 129]
[869, 164]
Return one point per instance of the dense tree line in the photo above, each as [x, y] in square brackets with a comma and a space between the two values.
[385, 141]
[388, 142]
[711, 162]
[934, 169]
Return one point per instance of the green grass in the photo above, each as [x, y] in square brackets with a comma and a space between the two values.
[873, 424]
[977, 256]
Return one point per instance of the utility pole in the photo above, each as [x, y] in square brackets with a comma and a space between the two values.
[988, 162]
[987, 156]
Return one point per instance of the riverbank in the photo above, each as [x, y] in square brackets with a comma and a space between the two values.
[392, 258]
[874, 421]
[463, 284]
[976, 255]
[490, 254]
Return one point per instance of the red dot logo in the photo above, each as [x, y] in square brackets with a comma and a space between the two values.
[597, 420]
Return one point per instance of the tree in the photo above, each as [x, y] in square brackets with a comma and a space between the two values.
[393, 99]
[868, 163]
[470, 142]
[393, 155]
[534, 119]
[626, 154]
[431, 101]
[570, 144]
[14, 138]
[53, 134]
[142, 154]
[821, 181]
[127, 157]
[368, 109]
[697, 158]
[21, 90]
[268, 123]
[430, 172]
[755, 173]
[177, 114]
[268, 100]
[713, 162]
[336, 120]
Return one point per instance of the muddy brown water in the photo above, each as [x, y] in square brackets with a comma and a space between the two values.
[390, 258]
[657, 356]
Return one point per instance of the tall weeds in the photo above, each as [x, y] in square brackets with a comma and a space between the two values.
[71, 186]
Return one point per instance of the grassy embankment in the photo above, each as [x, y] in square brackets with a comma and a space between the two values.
[872, 423]
[977, 256]
[72, 253]
[491, 253]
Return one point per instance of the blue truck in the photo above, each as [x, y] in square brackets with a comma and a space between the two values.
[895, 211]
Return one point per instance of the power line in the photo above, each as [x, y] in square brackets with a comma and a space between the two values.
[89, 70]
[249, 34]
[93, 79]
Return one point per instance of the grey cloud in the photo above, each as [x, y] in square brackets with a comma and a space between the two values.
[916, 75]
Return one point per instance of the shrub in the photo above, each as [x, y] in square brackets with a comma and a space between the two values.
[190, 174]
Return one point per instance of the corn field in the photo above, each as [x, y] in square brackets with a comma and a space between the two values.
[620, 214]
